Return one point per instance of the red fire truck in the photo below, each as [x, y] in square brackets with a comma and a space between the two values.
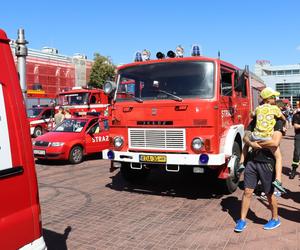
[179, 113]
[40, 118]
[20, 214]
[82, 100]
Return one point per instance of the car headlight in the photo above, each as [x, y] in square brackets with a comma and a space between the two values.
[118, 142]
[56, 144]
[197, 143]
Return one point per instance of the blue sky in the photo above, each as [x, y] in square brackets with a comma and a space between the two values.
[243, 31]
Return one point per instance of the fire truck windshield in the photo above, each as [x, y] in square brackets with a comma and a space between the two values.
[33, 112]
[73, 99]
[168, 80]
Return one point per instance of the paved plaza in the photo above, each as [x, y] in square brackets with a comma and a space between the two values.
[86, 207]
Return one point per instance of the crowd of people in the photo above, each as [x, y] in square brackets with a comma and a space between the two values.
[263, 162]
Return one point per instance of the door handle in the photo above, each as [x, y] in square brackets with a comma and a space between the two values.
[11, 172]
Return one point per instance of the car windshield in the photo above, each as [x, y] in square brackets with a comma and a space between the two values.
[71, 125]
[33, 112]
[73, 99]
[171, 80]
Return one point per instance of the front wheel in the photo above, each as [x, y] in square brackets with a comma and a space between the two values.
[37, 132]
[231, 183]
[76, 155]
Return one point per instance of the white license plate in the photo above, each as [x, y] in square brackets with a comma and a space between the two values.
[198, 170]
[39, 152]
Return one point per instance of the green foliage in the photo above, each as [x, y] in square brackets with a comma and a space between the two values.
[102, 70]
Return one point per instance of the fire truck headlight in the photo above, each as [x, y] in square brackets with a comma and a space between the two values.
[33, 143]
[56, 144]
[109, 87]
[197, 143]
[118, 142]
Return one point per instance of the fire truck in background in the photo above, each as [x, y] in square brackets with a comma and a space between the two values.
[81, 100]
[20, 213]
[179, 113]
[40, 118]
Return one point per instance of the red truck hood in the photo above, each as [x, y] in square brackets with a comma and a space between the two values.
[59, 136]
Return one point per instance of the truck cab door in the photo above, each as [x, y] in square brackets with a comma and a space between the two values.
[227, 105]
[242, 97]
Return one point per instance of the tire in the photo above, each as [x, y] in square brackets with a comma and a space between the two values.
[231, 183]
[76, 155]
[134, 175]
[37, 132]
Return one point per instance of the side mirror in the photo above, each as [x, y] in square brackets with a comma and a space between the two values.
[109, 87]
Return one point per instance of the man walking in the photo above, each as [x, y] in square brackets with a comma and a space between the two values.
[296, 124]
[260, 166]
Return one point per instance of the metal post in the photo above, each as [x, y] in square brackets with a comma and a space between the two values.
[21, 52]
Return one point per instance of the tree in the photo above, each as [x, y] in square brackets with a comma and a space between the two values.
[102, 70]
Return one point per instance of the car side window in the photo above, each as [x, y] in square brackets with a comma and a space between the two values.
[94, 129]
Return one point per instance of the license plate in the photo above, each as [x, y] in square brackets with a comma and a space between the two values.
[39, 152]
[153, 158]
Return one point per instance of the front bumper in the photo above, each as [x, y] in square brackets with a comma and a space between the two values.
[51, 153]
[172, 159]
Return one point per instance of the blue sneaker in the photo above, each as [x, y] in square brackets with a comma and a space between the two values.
[272, 224]
[240, 226]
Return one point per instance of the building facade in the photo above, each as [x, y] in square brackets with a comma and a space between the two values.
[284, 78]
[48, 73]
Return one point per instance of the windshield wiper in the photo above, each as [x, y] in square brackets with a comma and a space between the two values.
[175, 97]
[133, 97]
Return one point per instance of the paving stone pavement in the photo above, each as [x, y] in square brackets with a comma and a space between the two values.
[86, 207]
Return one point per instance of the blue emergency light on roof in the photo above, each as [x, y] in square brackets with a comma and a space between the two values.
[171, 54]
[195, 50]
[138, 57]
[160, 55]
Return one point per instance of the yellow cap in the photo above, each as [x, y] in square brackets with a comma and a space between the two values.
[268, 92]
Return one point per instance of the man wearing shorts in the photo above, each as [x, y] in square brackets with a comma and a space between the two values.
[260, 166]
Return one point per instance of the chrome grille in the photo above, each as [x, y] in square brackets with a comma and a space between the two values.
[163, 139]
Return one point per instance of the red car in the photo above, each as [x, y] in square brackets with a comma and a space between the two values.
[73, 139]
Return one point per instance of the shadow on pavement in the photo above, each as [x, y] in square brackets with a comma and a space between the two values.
[160, 183]
[232, 205]
[96, 156]
[56, 241]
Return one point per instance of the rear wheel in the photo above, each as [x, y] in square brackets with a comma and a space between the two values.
[76, 155]
[37, 131]
[231, 183]
[134, 175]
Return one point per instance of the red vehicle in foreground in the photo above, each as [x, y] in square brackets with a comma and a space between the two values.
[73, 139]
[179, 113]
[20, 213]
[40, 118]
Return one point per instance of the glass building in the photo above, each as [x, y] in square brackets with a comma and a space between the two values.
[283, 78]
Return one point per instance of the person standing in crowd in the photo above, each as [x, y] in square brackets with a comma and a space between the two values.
[296, 156]
[67, 113]
[260, 167]
[59, 117]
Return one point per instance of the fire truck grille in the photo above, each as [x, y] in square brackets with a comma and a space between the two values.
[41, 143]
[162, 139]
